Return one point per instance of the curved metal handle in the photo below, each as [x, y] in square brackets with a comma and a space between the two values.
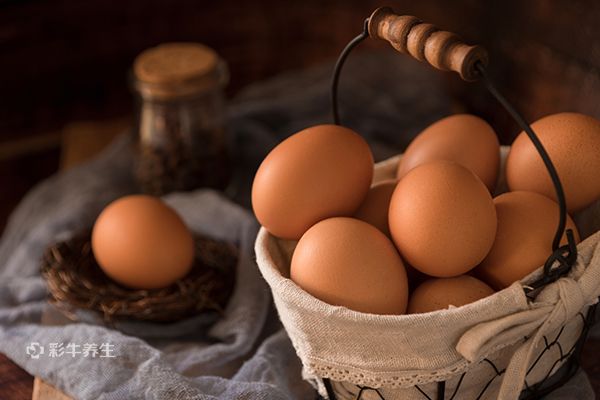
[425, 42]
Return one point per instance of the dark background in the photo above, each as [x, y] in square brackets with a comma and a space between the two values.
[64, 61]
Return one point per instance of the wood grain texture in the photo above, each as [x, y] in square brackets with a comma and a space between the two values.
[15, 383]
[45, 391]
[441, 49]
[70, 61]
[544, 55]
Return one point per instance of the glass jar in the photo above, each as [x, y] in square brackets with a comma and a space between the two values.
[181, 118]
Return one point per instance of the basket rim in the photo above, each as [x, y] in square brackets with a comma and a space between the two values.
[276, 280]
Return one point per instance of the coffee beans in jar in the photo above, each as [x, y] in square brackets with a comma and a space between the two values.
[181, 118]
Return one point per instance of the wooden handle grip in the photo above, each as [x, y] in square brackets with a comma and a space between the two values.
[443, 50]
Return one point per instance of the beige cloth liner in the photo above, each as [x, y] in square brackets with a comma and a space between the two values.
[395, 353]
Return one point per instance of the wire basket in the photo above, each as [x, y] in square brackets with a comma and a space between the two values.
[551, 354]
[75, 281]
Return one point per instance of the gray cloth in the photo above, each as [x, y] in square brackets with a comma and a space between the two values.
[245, 354]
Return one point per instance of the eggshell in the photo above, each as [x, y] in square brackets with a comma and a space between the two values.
[463, 138]
[142, 243]
[441, 293]
[573, 143]
[321, 172]
[374, 209]
[526, 226]
[442, 219]
[347, 262]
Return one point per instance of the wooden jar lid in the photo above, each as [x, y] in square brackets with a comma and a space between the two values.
[178, 69]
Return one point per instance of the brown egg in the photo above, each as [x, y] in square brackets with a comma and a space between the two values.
[142, 243]
[526, 226]
[573, 144]
[441, 293]
[321, 172]
[374, 208]
[465, 139]
[347, 262]
[442, 219]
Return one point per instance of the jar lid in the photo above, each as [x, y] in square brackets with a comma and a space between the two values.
[178, 69]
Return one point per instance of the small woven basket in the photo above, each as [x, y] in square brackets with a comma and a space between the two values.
[75, 281]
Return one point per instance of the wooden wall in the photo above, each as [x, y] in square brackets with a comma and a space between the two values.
[66, 60]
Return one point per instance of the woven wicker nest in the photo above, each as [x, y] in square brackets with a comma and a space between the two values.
[76, 281]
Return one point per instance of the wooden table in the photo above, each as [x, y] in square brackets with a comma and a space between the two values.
[16, 384]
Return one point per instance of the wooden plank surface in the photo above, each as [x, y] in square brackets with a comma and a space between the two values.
[15, 383]
[45, 391]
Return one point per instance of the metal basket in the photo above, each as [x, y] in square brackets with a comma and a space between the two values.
[445, 51]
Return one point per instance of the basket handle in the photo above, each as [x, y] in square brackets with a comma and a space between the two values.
[444, 50]
[425, 42]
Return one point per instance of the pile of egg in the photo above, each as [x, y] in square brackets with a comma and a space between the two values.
[435, 237]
